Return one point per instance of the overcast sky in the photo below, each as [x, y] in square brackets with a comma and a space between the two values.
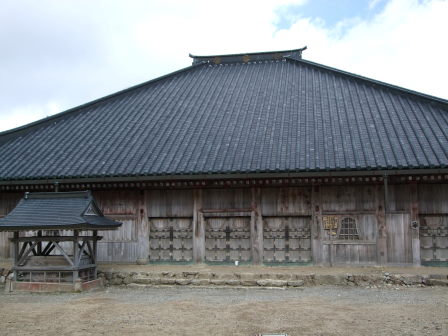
[57, 54]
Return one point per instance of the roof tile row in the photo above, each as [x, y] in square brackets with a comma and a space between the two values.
[270, 116]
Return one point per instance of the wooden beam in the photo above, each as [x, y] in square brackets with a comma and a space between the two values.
[47, 250]
[22, 250]
[53, 268]
[26, 252]
[56, 244]
[225, 210]
[198, 228]
[80, 252]
[54, 238]
[90, 254]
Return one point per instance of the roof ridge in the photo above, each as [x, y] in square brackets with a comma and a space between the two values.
[251, 53]
[61, 194]
[371, 80]
[247, 57]
[11, 133]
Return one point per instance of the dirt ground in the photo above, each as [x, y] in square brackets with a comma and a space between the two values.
[204, 311]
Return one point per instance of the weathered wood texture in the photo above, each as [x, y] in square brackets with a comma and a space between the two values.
[287, 239]
[256, 227]
[286, 201]
[120, 245]
[433, 219]
[198, 228]
[358, 203]
[317, 248]
[226, 217]
[343, 199]
[171, 239]
[399, 245]
[227, 239]
[283, 224]
[226, 199]
[170, 217]
[8, 201]
[380, 212]
[170, 203]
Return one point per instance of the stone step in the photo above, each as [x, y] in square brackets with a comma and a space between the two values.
[438, 282]
[265, 279]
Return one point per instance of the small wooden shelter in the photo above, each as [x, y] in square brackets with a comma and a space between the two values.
[55, 241]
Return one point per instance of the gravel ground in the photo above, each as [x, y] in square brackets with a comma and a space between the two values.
[204, 311]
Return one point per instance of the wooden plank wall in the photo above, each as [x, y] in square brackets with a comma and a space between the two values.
[120, 245]
[360, 204]
[384, 237]
[8, 201]
[227, 225]
[287, 214]
[433, 217]
[286, 202]
[170, 209]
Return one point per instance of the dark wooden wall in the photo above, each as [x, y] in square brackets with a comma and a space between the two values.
[272, 225]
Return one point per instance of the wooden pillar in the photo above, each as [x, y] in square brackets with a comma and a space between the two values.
[415, 227]
[316, 217]
[198, 228]
[256, 227]
[381, 240]
[39, 244]
[94, 250]
[16, 253]
[75, 255]
[143, 228]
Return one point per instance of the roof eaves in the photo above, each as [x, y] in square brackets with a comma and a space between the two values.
[372, 81]
[380, 170]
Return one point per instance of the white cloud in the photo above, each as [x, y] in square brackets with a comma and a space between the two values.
[28, 113]
[402, 45]
[57, 51]
[374, 3]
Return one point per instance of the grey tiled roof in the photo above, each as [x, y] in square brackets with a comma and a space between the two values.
[51, 211]
[285, 115]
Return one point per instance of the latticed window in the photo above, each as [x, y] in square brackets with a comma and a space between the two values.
[348, 229]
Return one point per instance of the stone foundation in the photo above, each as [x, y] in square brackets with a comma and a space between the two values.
[143, 279]
[47, 287]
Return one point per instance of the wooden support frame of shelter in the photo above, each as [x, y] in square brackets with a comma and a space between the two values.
[58, 246]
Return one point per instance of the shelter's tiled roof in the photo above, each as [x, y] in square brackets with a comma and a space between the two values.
[279, 115]
[57, 210]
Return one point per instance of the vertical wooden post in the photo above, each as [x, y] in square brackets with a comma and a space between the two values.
[381, 240]
[256, 227]
[16, 253]
[415, 227]
[39, 244]
[143, 228]
[75, 255]
[94, 248]
[316, 217]
[198, 228]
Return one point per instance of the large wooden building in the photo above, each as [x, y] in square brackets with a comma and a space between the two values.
[257, 158]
